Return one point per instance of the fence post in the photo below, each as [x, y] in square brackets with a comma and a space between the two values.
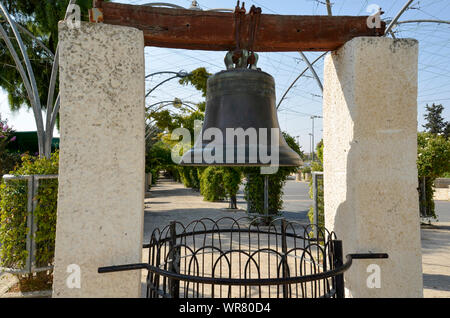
[266, 197]
[174, 264]
[338, 262]
[284, 251]
[248, 201]
[34, 225]
[30, 212]
[315, 207]
[423, 197]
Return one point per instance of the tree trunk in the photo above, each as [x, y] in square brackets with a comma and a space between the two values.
[233, 202]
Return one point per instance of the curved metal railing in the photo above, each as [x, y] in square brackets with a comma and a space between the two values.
[243, 258]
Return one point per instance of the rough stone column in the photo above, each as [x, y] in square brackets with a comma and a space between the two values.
[370, 151]
[101, 174]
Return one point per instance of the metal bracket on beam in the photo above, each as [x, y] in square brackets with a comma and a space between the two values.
[96, 15]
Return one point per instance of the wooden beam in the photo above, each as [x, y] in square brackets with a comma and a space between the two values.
[214, 31]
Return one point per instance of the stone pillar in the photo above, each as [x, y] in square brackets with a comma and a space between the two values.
[101, 173]
[370, 151]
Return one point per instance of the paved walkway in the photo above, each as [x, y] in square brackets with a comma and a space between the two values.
[436, 260]
[170, 201]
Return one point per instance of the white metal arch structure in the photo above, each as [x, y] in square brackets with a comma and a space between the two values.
[399, 14]
[309, 64]
[45, 135]
[388, 30]
[298, 77]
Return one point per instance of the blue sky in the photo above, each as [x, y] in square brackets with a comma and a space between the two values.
[305, 99]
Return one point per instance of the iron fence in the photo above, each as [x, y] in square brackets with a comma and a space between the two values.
[240, 258]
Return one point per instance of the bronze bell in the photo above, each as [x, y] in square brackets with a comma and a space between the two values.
[240, 100]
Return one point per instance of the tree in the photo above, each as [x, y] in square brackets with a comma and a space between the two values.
[446, 131]
[8, 160]
[317, 166]
[29, 59]
[197, 78]
[167, 116]
[254, 188]
[433, 160]
[435, 123]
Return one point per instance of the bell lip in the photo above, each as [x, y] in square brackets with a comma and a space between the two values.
[291, 158]
[236, 165]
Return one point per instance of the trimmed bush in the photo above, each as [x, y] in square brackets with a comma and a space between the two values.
[232, 178]
[13, 214]
[254, 189]
[211, 184]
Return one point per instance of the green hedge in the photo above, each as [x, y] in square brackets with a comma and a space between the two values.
[320, 203]
[188, 178]
[13, 214]
[318, 166]
[232, 179]
[211, 184]
[13, 224]
[218, 183]
[254, 189]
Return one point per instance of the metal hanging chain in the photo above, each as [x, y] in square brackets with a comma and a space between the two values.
[255, 16]
[239, 15]
[244, 57]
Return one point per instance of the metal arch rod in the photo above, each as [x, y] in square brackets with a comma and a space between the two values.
[27, 84]
[423, 21]
[163, 4]
[24, 53]
[19, 65]
[35, 101]
[178, 74]
[39, 42]
[171, 5]
[170, 102]
[220, 10]
[50, 106]
[53, 106]
[399, 14]
[310, 65]
[298, 77]
[162, 72]
[329, 7]
[166, 80]
[313, 71]
[161, 102]
[55, 111]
